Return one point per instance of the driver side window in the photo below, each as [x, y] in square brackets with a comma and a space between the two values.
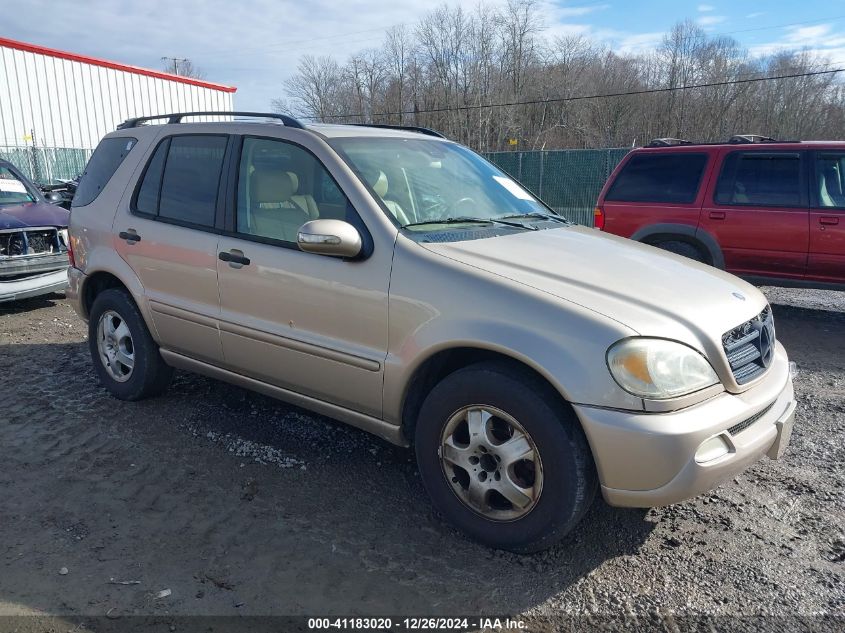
[277, 183]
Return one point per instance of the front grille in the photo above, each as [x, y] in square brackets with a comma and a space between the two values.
[19, 243]
[750, 347]
[741, 426]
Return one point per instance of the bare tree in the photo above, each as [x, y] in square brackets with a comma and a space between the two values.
[454, 65]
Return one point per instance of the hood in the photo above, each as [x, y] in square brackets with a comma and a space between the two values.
[20, 216]
[649, 290]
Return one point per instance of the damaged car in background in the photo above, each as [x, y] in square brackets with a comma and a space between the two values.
[33, 239]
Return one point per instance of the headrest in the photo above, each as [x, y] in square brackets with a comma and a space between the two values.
[294, 181]
[380, 185]
[270, 186]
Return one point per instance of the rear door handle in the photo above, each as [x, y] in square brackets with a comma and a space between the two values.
[235, 258]
[130, 236]
[717, 215]
[830, 221]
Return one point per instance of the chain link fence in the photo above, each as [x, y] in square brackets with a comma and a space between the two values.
[568, 180]
[47, 164]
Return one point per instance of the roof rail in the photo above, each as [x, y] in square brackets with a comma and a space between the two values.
[177, 117]
[409, 128]
[750, 138]
[668, 142]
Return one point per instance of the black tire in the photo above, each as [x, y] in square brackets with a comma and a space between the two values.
[683, 248]
[150, 375]
[569, 476]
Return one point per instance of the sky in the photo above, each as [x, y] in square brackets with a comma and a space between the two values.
[255, 44]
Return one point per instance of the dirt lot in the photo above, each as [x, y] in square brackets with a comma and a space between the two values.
[240, 505]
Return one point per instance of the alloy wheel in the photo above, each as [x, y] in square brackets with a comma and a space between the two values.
[491, 463]
[115, 345]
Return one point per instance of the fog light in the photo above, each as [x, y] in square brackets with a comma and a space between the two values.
[714, 448]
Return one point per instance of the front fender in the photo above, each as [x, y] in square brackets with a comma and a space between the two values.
[438, 304]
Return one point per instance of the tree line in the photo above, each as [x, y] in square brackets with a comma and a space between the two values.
[446, 69]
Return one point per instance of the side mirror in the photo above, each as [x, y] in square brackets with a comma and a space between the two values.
[329, 237]
[53, 198]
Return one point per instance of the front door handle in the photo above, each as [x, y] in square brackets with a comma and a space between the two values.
[235, 258]
[130, 236]
[828, 220]
[717, 215]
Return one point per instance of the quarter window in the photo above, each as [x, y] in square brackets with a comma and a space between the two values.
[104, 162]
[668, 178]
[760, 179]
[182, 178]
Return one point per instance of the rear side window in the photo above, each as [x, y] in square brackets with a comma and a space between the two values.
[99, 170]
[181, 180]
[672, 178]
[760, 178]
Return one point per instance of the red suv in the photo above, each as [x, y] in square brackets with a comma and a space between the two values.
[772, 212]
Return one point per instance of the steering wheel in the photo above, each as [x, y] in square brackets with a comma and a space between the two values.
[463, 206]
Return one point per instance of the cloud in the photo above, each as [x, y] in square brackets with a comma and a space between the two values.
[704, 8]
[820, 39]
[562, 12]
[710, 20]
[254, 48]
[639, 42]
[758, 14]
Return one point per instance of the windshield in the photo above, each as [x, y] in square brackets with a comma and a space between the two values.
[12, 189]
[426, 184]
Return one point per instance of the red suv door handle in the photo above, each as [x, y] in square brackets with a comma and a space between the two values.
[717, 215]
[828, 220]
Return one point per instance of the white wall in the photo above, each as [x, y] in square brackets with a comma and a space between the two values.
[73, 104]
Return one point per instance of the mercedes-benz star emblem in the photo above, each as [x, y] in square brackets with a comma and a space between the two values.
[767, 344]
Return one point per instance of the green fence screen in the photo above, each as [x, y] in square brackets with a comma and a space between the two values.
[47, 164]
[567, 180]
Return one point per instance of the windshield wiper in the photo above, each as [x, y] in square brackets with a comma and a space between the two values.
[468, 220]
[536, 214]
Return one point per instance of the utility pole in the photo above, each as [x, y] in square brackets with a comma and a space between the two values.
[175, 61]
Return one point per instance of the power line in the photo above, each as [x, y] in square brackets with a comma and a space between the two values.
[175, 61]
[585, 97]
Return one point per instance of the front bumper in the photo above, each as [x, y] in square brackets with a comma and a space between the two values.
[653, 459]
[34, 286]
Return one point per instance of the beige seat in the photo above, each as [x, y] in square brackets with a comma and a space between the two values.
[830, 190]
[380, 186]
[306, 201]
[273, 214]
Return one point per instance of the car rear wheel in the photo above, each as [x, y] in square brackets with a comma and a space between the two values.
[125, 356]
[683, 248]
[503, 458]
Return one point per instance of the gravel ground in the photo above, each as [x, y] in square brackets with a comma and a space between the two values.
[240, 505]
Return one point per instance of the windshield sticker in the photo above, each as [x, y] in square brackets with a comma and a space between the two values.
[11, 186]
[515, 189]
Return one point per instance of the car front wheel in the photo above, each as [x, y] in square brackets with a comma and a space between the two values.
[503, 458]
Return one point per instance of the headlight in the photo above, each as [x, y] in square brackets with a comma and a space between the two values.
[659, 369]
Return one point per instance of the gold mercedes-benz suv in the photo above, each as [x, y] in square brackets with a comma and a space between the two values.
[392, 279]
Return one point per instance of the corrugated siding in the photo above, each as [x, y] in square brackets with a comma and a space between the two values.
[70, 104]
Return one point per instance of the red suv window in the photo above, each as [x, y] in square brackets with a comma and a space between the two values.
[771, 179]
[671, 178]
